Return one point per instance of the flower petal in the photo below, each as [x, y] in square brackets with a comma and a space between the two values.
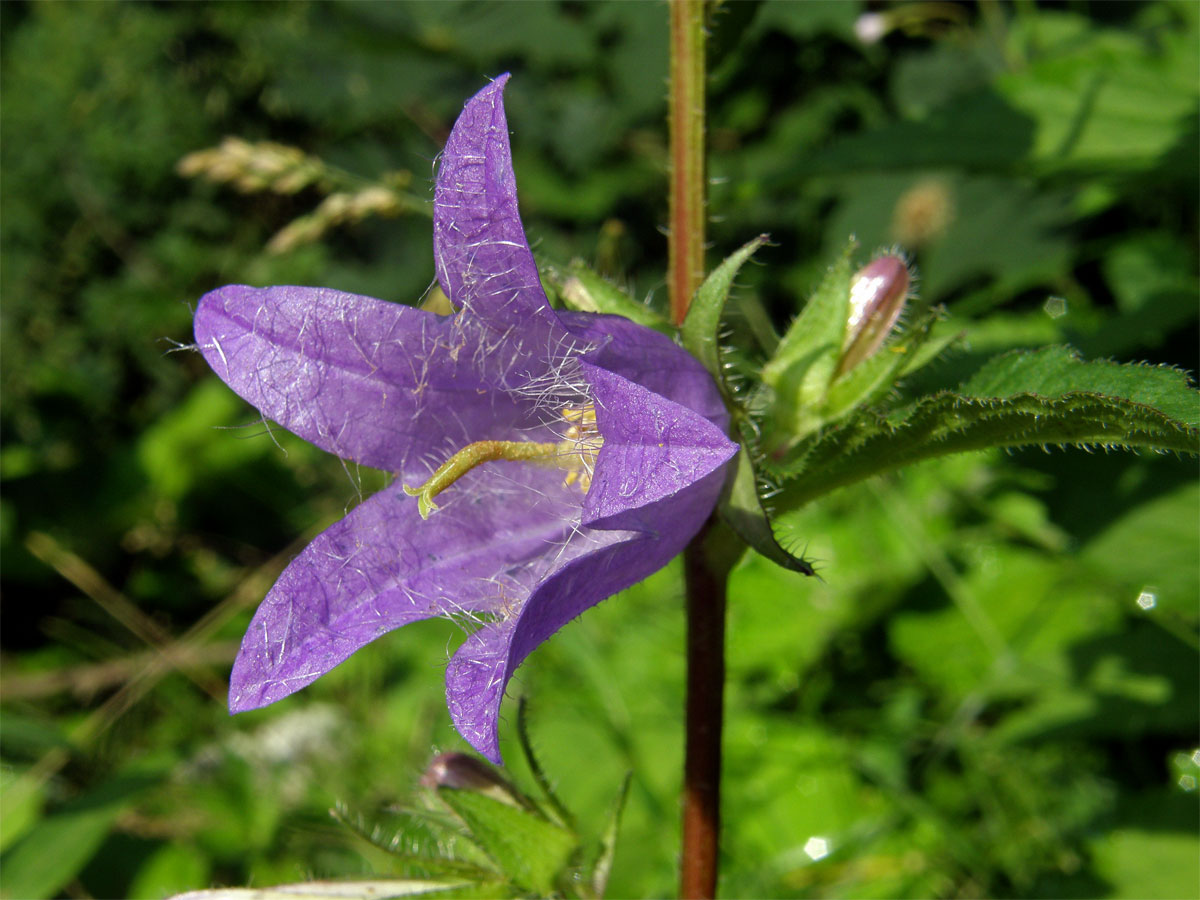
[481, 668]
[602, 564]
[657, 478]
[482, 258]
[382, 567]
[653, 448]
[650, 359]
[378, 383]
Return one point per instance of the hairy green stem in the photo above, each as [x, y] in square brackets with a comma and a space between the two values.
[685, 247]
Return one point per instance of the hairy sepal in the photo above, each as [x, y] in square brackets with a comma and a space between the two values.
[700, 332]
[582, 289]
[805, 363]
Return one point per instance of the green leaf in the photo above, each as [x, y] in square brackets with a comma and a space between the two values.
[432, 846]
[1152, 850]
[1057, 371]
[1150, 275]
[744, 512]
[558, 810]
[608, 839]
[1020, 398]
[701, 328]
[375, 889]
[526, 848]
[584, 290]
[75, 833]
[1152, 548]
[979, 130]
[170, 870]
[22, 800]
[1105, 98]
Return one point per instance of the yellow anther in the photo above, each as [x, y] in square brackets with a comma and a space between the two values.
[580, 415]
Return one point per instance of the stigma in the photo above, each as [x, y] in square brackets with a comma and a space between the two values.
[576, 452]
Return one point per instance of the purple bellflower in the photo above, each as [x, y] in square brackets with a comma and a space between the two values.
[571, 454]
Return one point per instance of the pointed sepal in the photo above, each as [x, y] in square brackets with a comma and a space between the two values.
[743, 510]
[700, 332]
[582, 289]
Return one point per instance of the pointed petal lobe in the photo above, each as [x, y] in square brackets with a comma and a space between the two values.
[650, 359]
[601, 563]
[378, 383]
[653, 449]
[382, 567]
[480, 252]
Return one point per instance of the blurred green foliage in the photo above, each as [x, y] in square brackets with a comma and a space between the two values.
[992, 691]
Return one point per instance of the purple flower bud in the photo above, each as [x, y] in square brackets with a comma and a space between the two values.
[878, 292]
[461, 771]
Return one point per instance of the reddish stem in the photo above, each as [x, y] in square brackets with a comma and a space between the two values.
[704, 584]
[705, 572]
[705, 588]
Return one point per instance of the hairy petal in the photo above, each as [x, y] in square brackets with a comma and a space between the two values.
[650, 359]
[653, 449]
[610, 561]
[378, 383]
[657, 478]
[481, 668]
[382, 567]
[482, 258]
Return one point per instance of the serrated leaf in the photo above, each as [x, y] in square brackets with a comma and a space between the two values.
[375, 889]
[701, 327]
[1148, 407]
[744, 512]
[526, 848]
[1057, 371]
[431, 846]
[585, 290]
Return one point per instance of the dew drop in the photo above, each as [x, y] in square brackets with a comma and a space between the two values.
[816, 847]
[1147, 599]
[1055, 307]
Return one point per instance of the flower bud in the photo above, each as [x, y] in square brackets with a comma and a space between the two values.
[928, 19]
[464, 772]
[461, 771]
[871, 27]
[878, 292]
